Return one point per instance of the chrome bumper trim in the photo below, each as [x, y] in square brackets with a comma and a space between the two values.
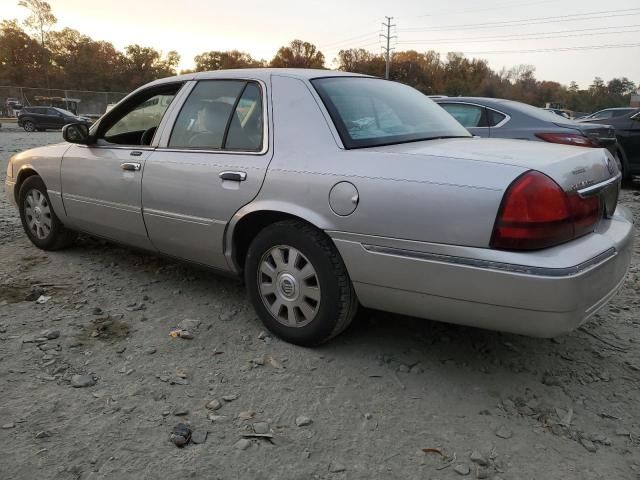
[492, 265]
[585, 192]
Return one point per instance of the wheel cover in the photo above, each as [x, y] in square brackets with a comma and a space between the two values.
[37, 213]
[29, 126]
[288, 286]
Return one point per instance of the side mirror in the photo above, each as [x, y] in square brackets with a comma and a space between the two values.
[76, 133]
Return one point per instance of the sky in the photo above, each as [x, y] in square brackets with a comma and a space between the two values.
[505, 32]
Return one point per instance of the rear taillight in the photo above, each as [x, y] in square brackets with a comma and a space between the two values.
[569, 139]
[536, 213]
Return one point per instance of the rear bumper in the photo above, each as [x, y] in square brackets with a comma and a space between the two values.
[540, 295]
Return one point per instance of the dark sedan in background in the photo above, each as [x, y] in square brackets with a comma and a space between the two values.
[498, 118]
[627, 129]
[44, 118]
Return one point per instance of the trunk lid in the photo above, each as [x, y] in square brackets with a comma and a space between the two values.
[573, 168]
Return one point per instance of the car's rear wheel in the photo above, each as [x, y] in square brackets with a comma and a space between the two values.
[298, 283]
[29, 126]
[39, 221]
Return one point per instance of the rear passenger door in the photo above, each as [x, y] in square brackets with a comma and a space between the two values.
[472, 117]
[55, 119]
[210, 161]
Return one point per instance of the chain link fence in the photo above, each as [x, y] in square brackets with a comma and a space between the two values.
[80, 102]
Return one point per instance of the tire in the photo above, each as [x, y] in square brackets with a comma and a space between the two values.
[39, 221]
[29, 126]
[305, 296]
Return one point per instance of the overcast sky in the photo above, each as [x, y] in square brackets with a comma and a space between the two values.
[260, 27]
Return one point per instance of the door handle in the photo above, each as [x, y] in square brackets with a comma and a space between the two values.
[234, 176]
[130, 166]
[136, 153]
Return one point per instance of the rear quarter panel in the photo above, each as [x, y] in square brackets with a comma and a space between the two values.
[415, 197]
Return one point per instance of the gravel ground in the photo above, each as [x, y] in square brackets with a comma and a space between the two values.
[92, 384]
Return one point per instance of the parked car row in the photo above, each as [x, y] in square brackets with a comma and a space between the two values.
[497, 118]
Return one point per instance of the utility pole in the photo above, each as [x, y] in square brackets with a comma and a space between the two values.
[388, 49]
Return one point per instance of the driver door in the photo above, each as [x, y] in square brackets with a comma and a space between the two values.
[101, 182]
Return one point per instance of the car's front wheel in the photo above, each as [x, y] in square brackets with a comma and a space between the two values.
[298, 283]
[40, 222]
[29, 126]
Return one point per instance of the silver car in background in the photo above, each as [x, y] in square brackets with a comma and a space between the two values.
[328, 190]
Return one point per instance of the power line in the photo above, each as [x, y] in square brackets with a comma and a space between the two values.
[516, 37]
[497, 7]
[558, 49]
[532, 21]
[356, 37]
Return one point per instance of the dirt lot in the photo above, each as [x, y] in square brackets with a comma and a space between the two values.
[494, 405]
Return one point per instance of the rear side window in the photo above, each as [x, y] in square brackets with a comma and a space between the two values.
[494, 118]
[469, 116]
[220, 115]
[619, 113]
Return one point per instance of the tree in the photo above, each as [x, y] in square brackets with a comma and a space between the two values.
[144, 64]
[216, 60]
[83, 63]
[20, 56]
[298, 54]
[41, 20]
[621, 87]
[359, 60]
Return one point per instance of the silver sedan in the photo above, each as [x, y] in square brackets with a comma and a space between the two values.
[328, 190]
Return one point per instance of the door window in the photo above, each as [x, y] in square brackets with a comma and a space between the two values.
[144, 116]
[469, 116]
[494, 118]
[245, 129]
[220, 115]
[135, 121]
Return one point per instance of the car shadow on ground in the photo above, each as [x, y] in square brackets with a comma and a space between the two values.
[400, 341]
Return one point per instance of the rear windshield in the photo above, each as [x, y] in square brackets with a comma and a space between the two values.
[370, 112]
[535, 112]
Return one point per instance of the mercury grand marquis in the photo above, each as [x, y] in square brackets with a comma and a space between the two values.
[329, 190]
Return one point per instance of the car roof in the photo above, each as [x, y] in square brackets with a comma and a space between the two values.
[259, 74]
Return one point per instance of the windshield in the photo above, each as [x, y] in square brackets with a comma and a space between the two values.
[369, 112]
[66, 112]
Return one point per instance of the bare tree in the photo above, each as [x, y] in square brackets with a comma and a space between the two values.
[40, 21]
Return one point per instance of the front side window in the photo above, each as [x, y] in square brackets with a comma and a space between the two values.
[469, 116]
[145, 116]
[369, 112]
[220, 115]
